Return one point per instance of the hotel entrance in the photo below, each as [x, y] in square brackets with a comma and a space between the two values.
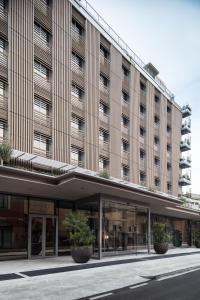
[43, 236]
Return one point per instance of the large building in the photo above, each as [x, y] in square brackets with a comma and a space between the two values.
[92, 128]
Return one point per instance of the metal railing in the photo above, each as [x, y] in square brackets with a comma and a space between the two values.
[42, 43]
[77, 103]
[77, 69]
[42, 119]
[125, 154]
[3, 102]
[4, 59]
[79, 163]
[41, 152]
[42, 6]
[77, 37]
[104, 117]
[3, 14]
[134, 59]
[42, 82]
[104, 145]
[104, 60]
[125, 129]
[103, 88]
[77, 133]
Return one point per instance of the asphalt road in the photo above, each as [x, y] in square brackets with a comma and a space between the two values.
[182, 287]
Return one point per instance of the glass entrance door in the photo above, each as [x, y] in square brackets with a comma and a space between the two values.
[42, 236]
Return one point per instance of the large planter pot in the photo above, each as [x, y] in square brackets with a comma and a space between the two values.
[197, 243]
[160, 248]
[81, 254]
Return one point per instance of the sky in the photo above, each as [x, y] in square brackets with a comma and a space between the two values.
[166, 33]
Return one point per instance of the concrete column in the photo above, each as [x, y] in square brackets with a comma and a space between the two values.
[149, 230]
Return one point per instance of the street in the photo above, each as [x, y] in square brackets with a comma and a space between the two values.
[182, 287]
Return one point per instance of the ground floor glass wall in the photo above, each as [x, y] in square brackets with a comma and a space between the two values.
[124, 228]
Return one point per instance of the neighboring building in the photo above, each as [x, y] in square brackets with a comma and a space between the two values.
[76, 101]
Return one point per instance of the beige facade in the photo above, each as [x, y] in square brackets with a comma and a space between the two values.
[71, 95]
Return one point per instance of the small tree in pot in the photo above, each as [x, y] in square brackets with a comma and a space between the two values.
[5, 153]
[197, 238]
[81, 236]
[160, 238]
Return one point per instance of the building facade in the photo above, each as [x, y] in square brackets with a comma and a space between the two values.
[77, 105]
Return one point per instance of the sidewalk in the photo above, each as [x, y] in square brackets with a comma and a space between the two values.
[90, 281]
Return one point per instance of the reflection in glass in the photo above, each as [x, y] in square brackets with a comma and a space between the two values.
[37, 224]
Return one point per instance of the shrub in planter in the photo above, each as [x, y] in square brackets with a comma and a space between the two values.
[177, 238]
[197, 238]
[160, 238]
[5, 153]
[81, 236]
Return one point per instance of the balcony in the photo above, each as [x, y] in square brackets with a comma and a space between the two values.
[125, 129]
[185, 146]
[77, 102]
[78, 41]
[103, 117]
[186, 111]
[77, 133]
[42, 49]
[41, 152]
[104, 146]
[78, 163]
[185, 163]
[104, 88]
[125, 177]
[77, 73]
[42, 86]
[4, 64]
[4, 22]
[3, 107]
[42, 123]
[125, 155]
[186, 128]
[104, 64]
[43, 14]
[184, 180]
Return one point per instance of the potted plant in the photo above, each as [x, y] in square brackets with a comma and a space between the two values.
[81, 236]
[177, 238]
[197, 238]
[160, 238]
[5, 153]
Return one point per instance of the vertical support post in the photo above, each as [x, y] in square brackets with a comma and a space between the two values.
[100, 228]
[149, 230]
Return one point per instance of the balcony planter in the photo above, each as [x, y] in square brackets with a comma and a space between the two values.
[81, 236]
[160, 238]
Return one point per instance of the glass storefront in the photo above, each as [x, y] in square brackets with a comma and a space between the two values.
[124, 228]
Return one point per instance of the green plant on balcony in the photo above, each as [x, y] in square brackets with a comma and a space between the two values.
[5, 153]
[104, 174]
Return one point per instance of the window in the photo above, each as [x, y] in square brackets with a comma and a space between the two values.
[125, 172]
[77, 155]
[142, 109]
[77, 27]
[124, 121]
[168, 129]
[4, 201]
[2, 45]
[142, 176]
[40, 32]
[142, 131]
[125, 72]
[104, 52]
[156, 161]
[77, 92]
[169, 109]
[142, 86]
[103, 135]
[2, 5]
[103, 108]
[156, 140]
[2, 131]
[142, 153]
[103, 163]
[169, 166]
[169, 186]
[169, 148]
[77, 60]
[41, 70]
[124, 146]
[125, 96]
[157, 99]
[104, 81]
[2, 88]
[77, 123]
[157, 181]
[41, 144]
[156, 120]
[41, 106]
